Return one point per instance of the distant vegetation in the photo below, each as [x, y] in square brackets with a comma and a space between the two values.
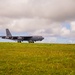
[37, 59]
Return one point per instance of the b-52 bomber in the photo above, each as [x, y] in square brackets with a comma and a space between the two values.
[19, 39]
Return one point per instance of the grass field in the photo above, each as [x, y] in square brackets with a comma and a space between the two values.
[37, 59]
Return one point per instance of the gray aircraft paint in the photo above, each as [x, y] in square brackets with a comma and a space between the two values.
[30, 39]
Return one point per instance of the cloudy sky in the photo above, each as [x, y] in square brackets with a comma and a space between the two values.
[53, 19]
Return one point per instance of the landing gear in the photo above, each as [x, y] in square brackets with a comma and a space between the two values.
[30, 41]
[19, 41]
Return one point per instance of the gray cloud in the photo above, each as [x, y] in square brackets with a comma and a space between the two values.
[51, 9]
[41, 17]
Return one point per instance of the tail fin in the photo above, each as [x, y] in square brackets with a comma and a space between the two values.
[8, 33]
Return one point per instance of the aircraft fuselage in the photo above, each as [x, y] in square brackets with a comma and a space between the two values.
[30, 39]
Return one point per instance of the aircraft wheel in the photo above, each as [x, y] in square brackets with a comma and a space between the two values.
[31, 41]
[19, 41]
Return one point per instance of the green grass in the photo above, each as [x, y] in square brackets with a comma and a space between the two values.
[37, 59]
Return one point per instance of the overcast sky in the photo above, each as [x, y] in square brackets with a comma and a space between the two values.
[53, 19]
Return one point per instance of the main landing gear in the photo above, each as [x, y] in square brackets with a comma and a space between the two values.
[19, 41]
[30, 41]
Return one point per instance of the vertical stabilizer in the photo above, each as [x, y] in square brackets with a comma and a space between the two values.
[8, 33]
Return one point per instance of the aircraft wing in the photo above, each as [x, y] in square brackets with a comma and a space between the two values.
[17, 37]
[21, 37]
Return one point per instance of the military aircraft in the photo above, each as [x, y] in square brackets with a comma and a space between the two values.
[19, 39]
